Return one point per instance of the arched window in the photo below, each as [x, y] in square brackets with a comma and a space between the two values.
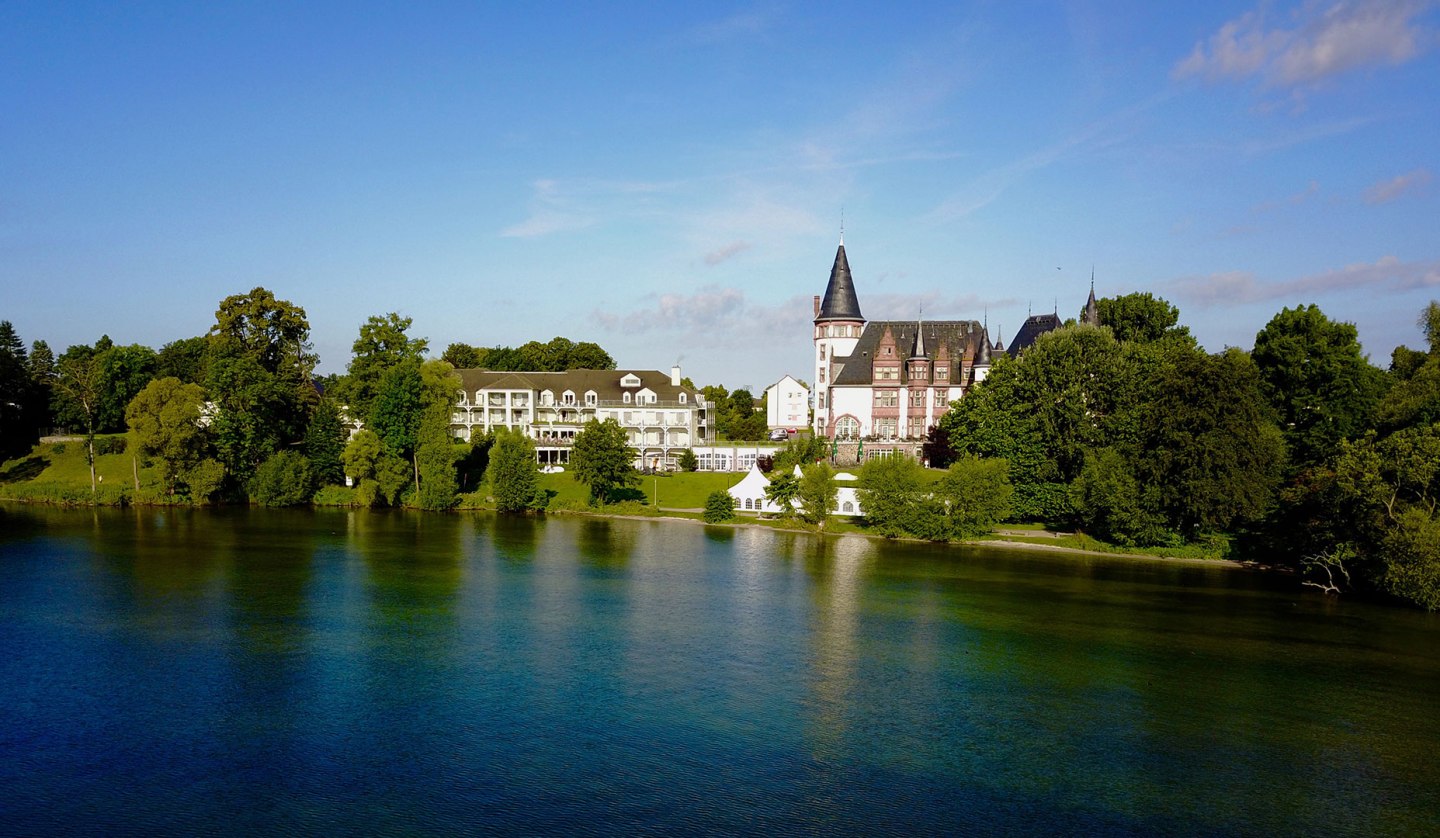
[747, 503]
[847, 507]
[847, 427]
[546, 397]
[567, 397]
[682, 398]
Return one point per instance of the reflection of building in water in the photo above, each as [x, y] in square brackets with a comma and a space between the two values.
[834, 637]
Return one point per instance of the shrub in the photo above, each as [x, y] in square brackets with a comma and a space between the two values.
[719, 506]
[283, 480]
[204, 479]
[687, 461]
[336, 496]
[109, 445]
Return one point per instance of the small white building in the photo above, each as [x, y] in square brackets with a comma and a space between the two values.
[787, 404]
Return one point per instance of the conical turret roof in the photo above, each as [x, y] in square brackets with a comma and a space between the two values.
[840, 302]
[917, 349]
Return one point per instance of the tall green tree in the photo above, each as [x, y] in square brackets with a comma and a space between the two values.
[325, 438]
[124, 372]
[42, 369]
[783, 490]
[17, 395]
[78, 383]
[1140, 317]
[436, 454]
[1316, 378]
[381, 346]
[817, 493]
[259, 374]
[514, 473]
[895, 496]
[187, 359]
[1210, 443]
[164, 420]
[274, 332]
[603, 460]
[463, 356]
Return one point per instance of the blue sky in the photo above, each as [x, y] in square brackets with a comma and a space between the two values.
[668, 180]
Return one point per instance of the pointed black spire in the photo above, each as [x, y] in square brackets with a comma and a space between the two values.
[917, 349]
[840, 302]
[1091, 315]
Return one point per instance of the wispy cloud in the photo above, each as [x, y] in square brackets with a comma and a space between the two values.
[557, 206]
[724, 316]
[714, 315]
[1388, 190]
[990, 185]
[1311, 190]
[740, 25]
[1321, 41]
[726, 253]
[1241, 287]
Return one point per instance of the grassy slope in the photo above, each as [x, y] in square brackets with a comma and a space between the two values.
[64, 464]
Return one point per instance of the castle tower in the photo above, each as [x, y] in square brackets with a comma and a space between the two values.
[1091, 315]
[838, 324]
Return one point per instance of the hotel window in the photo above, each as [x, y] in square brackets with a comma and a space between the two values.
[567, 397]
[942, 395]
[625, 398]
[546, 397]
[917, 398]
[682, 398]
[847, 427]
[886, 398]
[885, 428]
[591, 399]
[942, 373]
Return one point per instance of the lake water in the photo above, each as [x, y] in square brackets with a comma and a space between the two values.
[240, 671]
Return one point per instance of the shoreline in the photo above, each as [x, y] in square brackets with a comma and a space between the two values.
[739, 523]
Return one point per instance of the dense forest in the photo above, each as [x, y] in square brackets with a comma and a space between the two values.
[1300, 451]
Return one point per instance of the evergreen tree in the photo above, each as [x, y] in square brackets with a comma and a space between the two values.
[324, 440]
[42, 381]
[17, 395]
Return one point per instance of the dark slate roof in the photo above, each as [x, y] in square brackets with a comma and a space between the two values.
[1035, 326]
[605, 383]
[949, 339]
[840, 302]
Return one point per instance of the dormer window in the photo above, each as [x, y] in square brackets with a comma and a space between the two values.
[630, 380]
[547, 398]
[682, 398]
[625, 398]
[942, 372]
[568, 397]
[590, 398]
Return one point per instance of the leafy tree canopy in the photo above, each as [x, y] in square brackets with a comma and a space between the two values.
[1140, 317]
[602, 459]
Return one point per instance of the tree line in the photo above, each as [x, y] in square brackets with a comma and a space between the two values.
[238, 413]
[1299, 451]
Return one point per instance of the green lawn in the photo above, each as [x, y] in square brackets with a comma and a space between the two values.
[64, 464]
[683, 490]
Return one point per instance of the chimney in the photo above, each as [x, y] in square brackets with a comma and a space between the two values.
[817, 305]
[675, 376]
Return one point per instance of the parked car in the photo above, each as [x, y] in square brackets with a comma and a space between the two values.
[779, 435]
